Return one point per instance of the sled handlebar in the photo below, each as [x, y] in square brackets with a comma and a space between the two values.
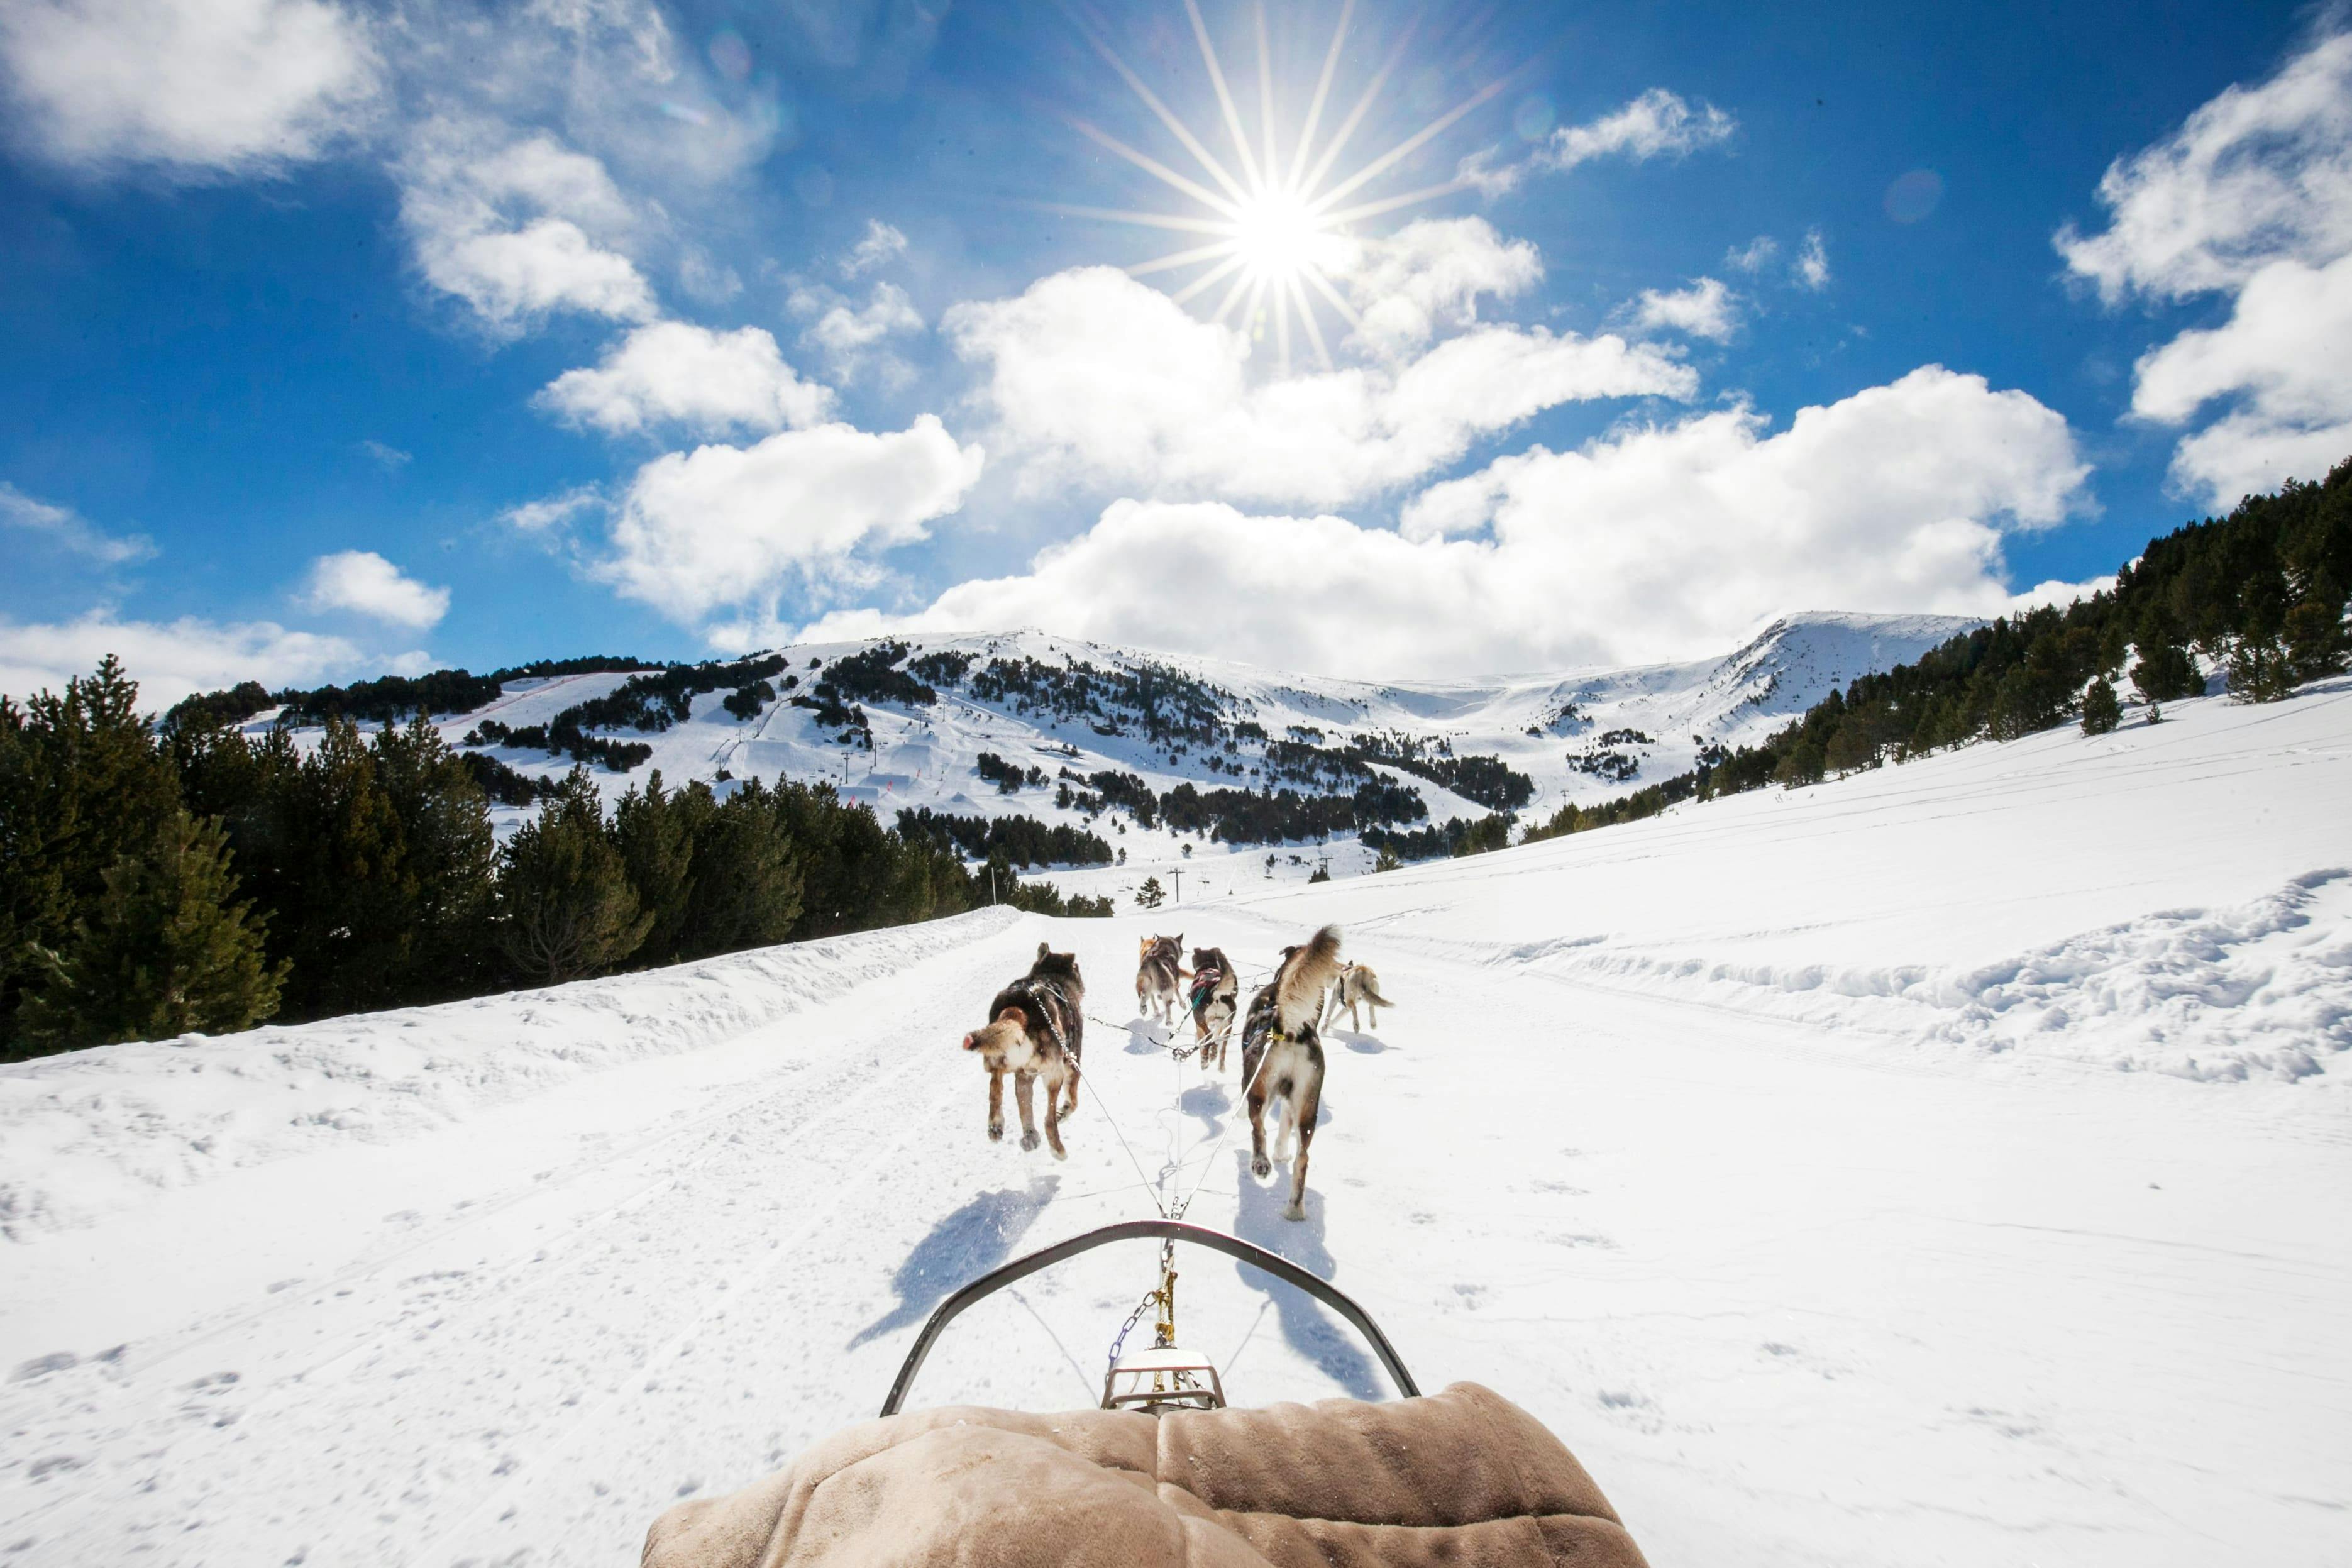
[1256, 1256]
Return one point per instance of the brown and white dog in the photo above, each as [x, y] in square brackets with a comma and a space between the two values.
[1282, 1056]
[1355, 984]
[1160, 978]
[1215, 999]
[1034, 1030]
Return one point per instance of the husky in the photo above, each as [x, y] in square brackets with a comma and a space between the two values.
[1159, 978]
[1215, 998]
[1036, 1026]
[1282, 1056]
[1356, 983]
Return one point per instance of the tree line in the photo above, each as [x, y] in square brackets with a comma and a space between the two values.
[158, 880]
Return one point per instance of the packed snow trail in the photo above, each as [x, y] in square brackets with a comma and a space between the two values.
[1775, 1153]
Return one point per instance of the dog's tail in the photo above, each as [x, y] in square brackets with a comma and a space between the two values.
[1372, 991]
[1306, 976]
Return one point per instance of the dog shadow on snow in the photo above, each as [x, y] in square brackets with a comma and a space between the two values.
[1362, 1045]
[1314, 1334]
[1148, 1037]
[963, 1246]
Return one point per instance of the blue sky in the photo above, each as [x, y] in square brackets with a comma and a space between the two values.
[335, 339]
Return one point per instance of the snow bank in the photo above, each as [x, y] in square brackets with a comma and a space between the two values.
[2260, 989]
[84, 1133]
[2256, 989]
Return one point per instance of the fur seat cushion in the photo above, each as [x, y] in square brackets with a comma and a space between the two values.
[1461, 1478]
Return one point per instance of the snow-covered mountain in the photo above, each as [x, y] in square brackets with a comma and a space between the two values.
[1061, 711]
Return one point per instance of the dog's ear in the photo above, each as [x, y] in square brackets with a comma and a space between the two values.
[1045, 950]
[967, 1042]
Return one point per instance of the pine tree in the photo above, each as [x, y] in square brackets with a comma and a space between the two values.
[448, 861]
[166, 949]
[2101, 711]
[747, 887]
[656, 842]
[82, 784]
[1152, 894]
[2315, 639]
[2166, 670]
[565, 907]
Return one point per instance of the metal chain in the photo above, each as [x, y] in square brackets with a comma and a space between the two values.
[1150, 1300]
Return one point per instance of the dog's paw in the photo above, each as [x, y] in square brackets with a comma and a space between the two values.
[1261, 1167]
[1028, 1141]
[1060, 1152]
[996, 1132]
[1296, 1211]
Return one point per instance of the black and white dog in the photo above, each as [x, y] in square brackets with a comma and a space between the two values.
[1215, 999]
[1034, 1030]
[1282, 1056]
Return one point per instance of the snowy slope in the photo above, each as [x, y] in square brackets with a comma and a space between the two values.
[1944, 1165]
[1540, 725]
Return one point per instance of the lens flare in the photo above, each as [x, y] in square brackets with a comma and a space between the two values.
[1271, 228]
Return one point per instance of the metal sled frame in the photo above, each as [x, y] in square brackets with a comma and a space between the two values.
[1281, 1268]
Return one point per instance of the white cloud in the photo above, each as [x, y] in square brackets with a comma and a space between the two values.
[1657, 125]
[192, 88]
[1655, 544]
[2250, 198]
[849, 337]
[1092, 376]
[723, 527]
[69, 531]
[1430, 274]
[880, 246]
[2282, 358]
[364, 582]
[1811, 268]
[500, 227]
[1754, 256]
[1705, 310]
[391, 458]
[552, 514]
[177, 659]
[673, 372]
[2259, 174]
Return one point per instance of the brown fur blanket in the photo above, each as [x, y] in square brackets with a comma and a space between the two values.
[1462, 1478]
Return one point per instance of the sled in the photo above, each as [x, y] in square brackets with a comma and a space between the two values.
[1164, 1376]
[1163, 1473]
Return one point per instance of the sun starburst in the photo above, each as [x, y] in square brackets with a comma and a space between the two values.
[1271, 229]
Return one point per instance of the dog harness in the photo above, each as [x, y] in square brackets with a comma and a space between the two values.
[1204, 986]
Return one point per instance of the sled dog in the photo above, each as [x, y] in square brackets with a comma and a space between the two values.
[1282, 1056]
[1215, 998]
[1034, 1030]
[1159, 976]
[1355, 984]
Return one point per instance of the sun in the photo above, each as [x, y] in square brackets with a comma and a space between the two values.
[1273, 225]
[1278, 238]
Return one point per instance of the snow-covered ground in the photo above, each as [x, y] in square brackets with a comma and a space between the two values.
[1943, 1165]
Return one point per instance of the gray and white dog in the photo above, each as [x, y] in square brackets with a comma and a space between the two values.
[1160, 978]
[1355, 984]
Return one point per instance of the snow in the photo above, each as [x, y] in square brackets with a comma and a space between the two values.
[1941, 1165]
[927, 756]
